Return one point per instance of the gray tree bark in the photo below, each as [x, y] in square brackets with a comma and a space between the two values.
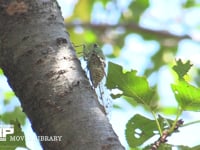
[40, 63]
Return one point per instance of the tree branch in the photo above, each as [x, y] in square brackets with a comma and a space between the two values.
[131, 26]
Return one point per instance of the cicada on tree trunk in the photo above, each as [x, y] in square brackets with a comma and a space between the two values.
[95, 63]
[95, 60]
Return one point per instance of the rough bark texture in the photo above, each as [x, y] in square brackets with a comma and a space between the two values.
[43, 70]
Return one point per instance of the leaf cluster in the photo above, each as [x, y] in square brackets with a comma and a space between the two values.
[140, 129]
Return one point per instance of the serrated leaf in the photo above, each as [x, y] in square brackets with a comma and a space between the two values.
[187, 96]
[182, 68]
[139, 129]
[129, 83]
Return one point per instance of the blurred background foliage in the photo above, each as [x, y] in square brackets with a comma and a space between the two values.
[113, 22]
[110, 22]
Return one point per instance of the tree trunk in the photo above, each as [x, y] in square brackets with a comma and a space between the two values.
[43, 70]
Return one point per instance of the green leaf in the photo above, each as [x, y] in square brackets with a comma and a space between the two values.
[130, 84]
[168, 110]
[11, 142]
[130, 101]
[17, 114]
[139, 129]
[187, 96]
[182, 68]
[135, 148]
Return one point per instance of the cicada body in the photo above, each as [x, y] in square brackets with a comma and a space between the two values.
[95, 64]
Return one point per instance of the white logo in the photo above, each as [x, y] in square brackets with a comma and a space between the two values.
[5, 130]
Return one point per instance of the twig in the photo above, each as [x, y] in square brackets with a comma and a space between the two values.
[165, 134]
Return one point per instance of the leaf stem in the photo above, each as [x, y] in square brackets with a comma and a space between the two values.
[157, 123]
[175, 122]
[190, 123]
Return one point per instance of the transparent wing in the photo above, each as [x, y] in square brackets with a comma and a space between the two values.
[95, 64]
[104, 97]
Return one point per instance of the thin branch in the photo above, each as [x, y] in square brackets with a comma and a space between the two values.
[166, 133]
[190, 123]
[131, 26]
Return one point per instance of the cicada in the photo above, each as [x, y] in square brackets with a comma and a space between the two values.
[95, 60]
[95, 64]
